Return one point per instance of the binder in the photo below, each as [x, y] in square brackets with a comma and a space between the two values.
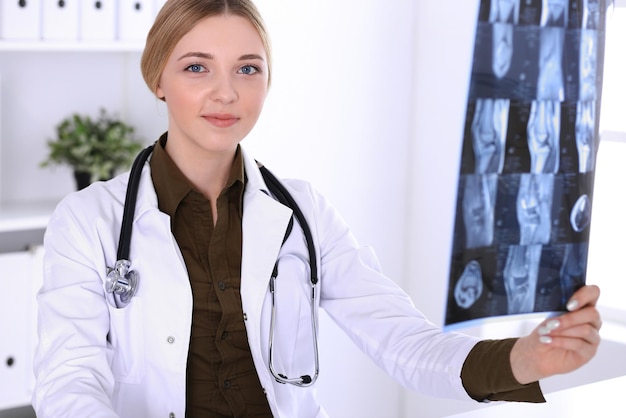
[134, 19]
[20, 20]
[60, 20]
[98, 20]
[15, 350]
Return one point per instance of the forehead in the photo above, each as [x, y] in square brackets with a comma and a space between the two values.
[222, 33]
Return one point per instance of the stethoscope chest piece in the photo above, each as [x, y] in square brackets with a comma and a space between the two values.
[122, 283]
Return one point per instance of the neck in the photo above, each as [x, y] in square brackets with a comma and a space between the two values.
[209, 177]
[207, 171]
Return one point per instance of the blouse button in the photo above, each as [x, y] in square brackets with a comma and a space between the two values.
[171, 339]
[172, 415]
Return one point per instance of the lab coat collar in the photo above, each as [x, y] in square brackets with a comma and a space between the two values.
[265, 221]
[146, 195]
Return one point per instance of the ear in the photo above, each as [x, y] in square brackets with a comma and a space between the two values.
[159, 93]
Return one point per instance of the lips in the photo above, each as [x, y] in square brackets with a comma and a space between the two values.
[221, 120]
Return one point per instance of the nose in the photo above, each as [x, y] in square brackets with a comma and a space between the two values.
[223, 90]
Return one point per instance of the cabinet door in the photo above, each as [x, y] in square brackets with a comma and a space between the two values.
[20, 278]
[135, 18]
[97, 20]
[60, 20]
[20, 19]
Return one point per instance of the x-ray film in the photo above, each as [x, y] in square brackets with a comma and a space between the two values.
[525, 187]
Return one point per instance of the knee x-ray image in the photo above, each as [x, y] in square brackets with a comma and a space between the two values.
[543, 131]
[479, 199]
[525, 190]
[489, 126]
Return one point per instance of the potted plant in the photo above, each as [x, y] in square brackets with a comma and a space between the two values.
[95, 149]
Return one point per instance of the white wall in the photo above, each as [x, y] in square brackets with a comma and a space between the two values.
[338, 115]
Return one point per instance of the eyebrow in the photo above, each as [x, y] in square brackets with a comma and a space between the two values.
[196, 55]
[208, 56]
[246, 57]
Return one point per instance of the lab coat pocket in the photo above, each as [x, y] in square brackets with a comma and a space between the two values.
[127, 340]
[293, 332]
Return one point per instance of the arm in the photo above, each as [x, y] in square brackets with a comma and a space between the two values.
[73, 376]
[378, 316]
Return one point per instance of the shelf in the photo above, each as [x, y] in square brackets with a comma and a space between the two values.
[25, 215]
[71, 46]
[613, 136]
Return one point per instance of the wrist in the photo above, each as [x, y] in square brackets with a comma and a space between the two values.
[522, 363]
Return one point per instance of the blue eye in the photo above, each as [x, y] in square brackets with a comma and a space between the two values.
[195, 68]
[248, 69]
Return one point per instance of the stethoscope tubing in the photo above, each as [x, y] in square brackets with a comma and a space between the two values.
[123, 248]
[122, 282]
[285, 197]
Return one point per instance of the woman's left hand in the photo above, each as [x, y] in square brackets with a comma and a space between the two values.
[560, 344]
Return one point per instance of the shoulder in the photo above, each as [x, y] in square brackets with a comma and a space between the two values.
[301, 187]
[98, 197]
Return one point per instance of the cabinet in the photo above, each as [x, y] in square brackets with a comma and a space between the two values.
[21, 278]
[40, 84]
[43, 81]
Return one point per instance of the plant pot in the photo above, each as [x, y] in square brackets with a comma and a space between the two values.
[83, 179]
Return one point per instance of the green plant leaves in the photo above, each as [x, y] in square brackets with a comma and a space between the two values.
[97, 146]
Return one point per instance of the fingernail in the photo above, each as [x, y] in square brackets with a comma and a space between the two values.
[544, 339]
[572, 305]
[549, 326]
[553, 324]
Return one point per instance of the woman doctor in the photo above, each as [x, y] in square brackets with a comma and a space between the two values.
[207, 234]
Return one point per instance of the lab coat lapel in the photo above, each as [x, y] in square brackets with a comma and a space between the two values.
[265, 222]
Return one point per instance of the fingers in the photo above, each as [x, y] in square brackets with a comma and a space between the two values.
[585, 296]
[583, 324]
[582, 303]
[586, 333]
[578, 345]
[584, 316]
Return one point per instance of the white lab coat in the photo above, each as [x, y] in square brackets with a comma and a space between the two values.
[98, 361]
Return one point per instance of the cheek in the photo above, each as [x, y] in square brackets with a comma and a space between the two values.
[181, 100]
[255, 102]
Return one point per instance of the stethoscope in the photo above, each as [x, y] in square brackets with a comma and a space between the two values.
[122, 282]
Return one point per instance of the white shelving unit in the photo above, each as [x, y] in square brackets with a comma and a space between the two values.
[42, 82]
[69, 46]
[25, 216]
[33, 214]
[62, 68]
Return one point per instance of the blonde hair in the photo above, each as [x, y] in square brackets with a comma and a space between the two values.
[177, 17]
